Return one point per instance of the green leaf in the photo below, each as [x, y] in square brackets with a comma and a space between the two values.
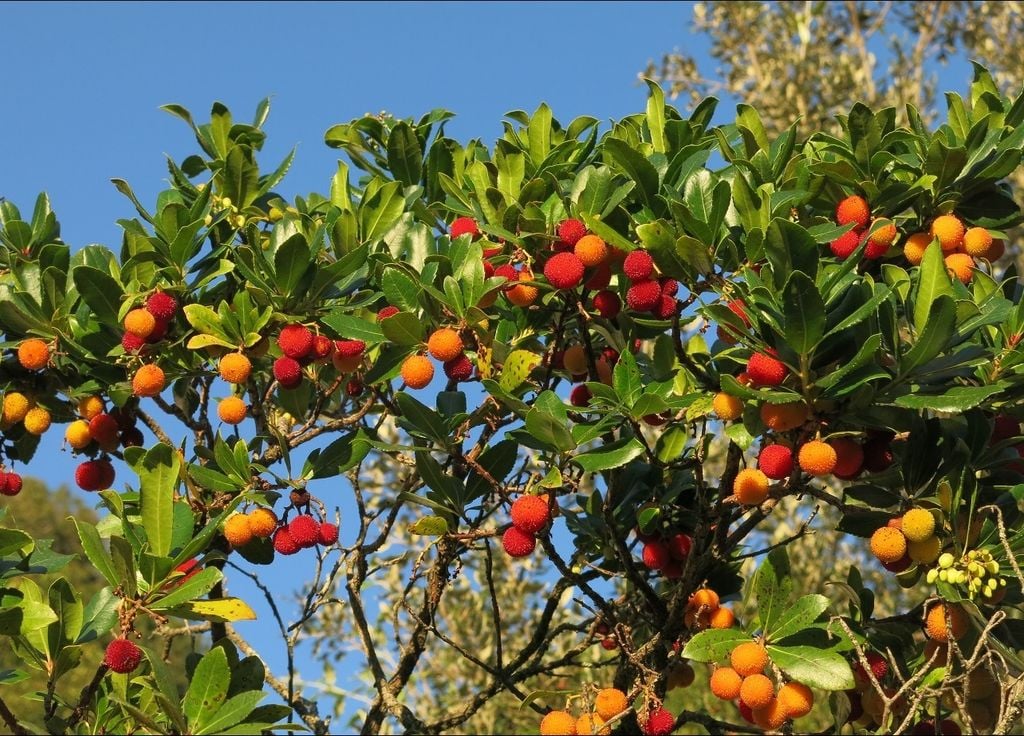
[804, 312]
[933, 339]
[208, 688]
[67, 604]
[789, 247]
[100, 291]
[933, 282]
[404, 328]
[714, 645]
[422, 420]
[638, 168]
[613, 455]
[823, 669]
[234, 711]
[956, 400]
[400, 290]
[626, 379]
[15, 541]
[656, 116]
[865, 310]
[158, 477]
[773, 587]
[798, 616]
[516, 369]
[431, 526]
[195, 587]
[94, 549]
[549, 429]
[539, 133]
[405, 160]
[291, 261]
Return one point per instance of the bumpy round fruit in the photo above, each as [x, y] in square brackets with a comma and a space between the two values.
[459, 368]
[591, 723]
[926, 551]
[844, 246]
[853, 209]
[591, 250]
[571, 230]
[638, 266]
[132, 343]
[849, 458]
[756, 691]
[915, 246]
[659, 722]
[140, 322]
[750, 487]
[766, 370]
[722, 618]
[523, 294]
[656, 555]
[94, 475]
[783, 417]
[575, 360]
[775, 461]
[962, 266]
[10, 484]
[558, 723]
[284, 544]
[610, 702]
[580, 396]
[518, 543]
[796, 699]
[884, 235]
[445, 344]
[564, 270]
[977, 242]
[728, 408]
[148, 380]
[262, 522]
[725, 683]
[90, 406]
[530, 514]
[237, 530]
[288, 372]
[417, 371]
[77, 434]
[104, 429]
[463, 226]
[305, 530]
[949, 230]
[235, 368]
[122, 656]
[749, 658]
[936, 626]
[231, 410]
[295, 341]
[161, 305]
[643, 296]
[817, 458]
[328, 534]
[16, 406]
[879, 668]
[33, 354]
[704, 598]
[771, 716]
[888, 544]
[918, 525]
[37, 420]
[607, 304]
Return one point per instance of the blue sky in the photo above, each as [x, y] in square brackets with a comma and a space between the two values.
[84, 83]
[83, 108]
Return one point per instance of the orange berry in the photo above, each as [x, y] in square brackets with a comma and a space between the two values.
[89, 407]
[728, 408]
[853, 209]
[37, 420]
[591, 250]
[148, 380]
[725, 683]
[33, 354]
[796, 699]
[771, 716]
[77, 434]
[262, 522]
[417, 371]
[885, 234]
[575, 360]
[977, 242]
[749, 658]
[938, 629]
[140, 322]
[445, 344]
[750, 487]
[962, 266]
[949, 230]
[917, 525]
[756, 691]
[591, 724]
[888, 544]
[16, 406]
[817, 458]
[235, 368]
[558, 723]
[237, 530]
[231, 410]
[915, 246]
[523, 294]
[704, 598]
[722, 618]
[783, 417]
[610, 702]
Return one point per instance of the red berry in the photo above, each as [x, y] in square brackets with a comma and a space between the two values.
[122, 656]
[323, 347]
[132, 343]
[638, 265]
[162, 305]
[776, 461]
[159, 331]
[288, 372]
[132, 437]
[463, 226]
[94, 475]
[564, 271]
[667, 307]
[518, 543]
[679, 546]
[305, 530]
[608, 304]
[844, 246]
[350, 348]
[328, 534]
[386, 312]
[669, 287]
[659, 722]
[10, 484]
[530, 514]
[853, 209]
[643, 296]
[600, 279]
[571, 230]
[655, 555]
[284, 543]
[295, 341]
[766, 370]
[580, 395]
[354, 387]
[459, 368]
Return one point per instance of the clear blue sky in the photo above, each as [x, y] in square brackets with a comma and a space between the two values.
[84, 84]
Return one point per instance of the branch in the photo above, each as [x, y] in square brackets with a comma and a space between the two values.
[11, 720]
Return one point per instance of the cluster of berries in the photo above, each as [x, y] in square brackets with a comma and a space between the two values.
[529, 515]
[855, 210]
[300, 346]
[99, 431]
[301, 532]
[609, 703]
[665, 553]
[906, 540]
[150, 324]
[759, 702]
[21, 409]
[445, 345]
[704, 610]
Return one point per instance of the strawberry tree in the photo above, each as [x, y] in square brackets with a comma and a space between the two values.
[610, 358]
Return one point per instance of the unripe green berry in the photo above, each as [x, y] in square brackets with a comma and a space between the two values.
[946, 560]
[932, 576]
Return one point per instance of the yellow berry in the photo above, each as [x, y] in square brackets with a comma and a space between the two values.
[77, 434]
